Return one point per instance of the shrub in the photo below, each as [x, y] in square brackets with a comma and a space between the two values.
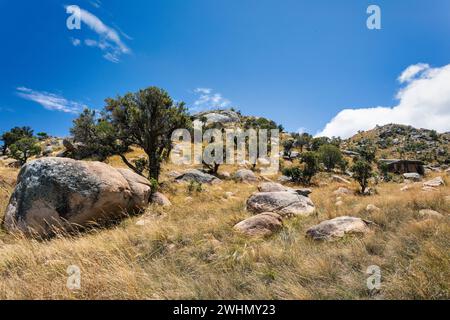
[362, 171]
[330, 155]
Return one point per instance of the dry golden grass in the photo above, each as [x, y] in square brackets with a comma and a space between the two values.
[189, 251]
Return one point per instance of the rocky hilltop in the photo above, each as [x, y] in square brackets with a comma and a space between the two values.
[404, 142]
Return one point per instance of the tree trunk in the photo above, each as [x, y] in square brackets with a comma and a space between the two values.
[153, 166]
[128, 163]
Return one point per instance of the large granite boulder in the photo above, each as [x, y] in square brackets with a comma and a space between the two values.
[337, 228]
[284, 203]
[263, 224]
[245, 175]
[60, 193]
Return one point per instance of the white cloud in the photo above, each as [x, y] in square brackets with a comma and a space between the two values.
[412, 71]
[76, 42]
[208, 99]
[109, 40]
[96, 3]
[423, 103]
[50, 101]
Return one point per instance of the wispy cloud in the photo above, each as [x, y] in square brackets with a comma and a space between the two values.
[51, 101]
[208, 99]
[109, 40]
[76, 42]
[424, 102]
[96, 3]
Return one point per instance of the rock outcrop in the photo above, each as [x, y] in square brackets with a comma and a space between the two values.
[198, 176]
[263, 224]
[245, 175]
[284, 203]
[60, 193]
[337, 228]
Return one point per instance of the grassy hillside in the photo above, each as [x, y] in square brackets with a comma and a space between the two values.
[189, 250]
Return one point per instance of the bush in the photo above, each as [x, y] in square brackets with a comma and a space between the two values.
[25, 148]
[362, 171]
[330, 155]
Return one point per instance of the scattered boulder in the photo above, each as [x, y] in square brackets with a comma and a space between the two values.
[285, 203]
[284, 179]
[337, 228]
[342, 191]
[198, 176]
[404, 188]
[263, 224]
[428, 213]
[339, 203]
[372, 208]
[173, 174]
[428, 189]
[228, 195]
[272, 187]
[160, 199]
[414, 176]
[436, 182]
[61, 193]
[340, 179]
[245, 175]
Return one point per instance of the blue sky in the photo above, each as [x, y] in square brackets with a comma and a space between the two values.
[299, 63]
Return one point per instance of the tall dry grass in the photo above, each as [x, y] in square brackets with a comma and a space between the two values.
[189, 251]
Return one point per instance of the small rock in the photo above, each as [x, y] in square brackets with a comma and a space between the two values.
[372, 208]
[412, 176]
[198, 176]
[342, 191]
[161, 199]
[336, 228]
[428, 213]
[404, 188]
[428, 189]
[339, 203]
[263, 161]
[228, 195]
[436, 182]
[284, 179]
[340, 179]
[263, 224]
[245, 175]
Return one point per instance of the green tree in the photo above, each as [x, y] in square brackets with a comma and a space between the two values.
[25, 148]
[14, 135]
[302, 140]
[362, 171]
[42, 135]
[287, 147]
[316, 143]
[330, 155]
[311, 165]
[146, 119]
[367, 152]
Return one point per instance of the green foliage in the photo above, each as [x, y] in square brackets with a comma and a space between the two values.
[154, 185]
[14, 135]
[24, 148]
[434, 135]
[302, 140]
[259, 123]
[146, 119]
[194, 186]
[316, 143]
[362, 171]
[42, 135]
[287, 147]
[367, 152]
[330, 155]
[96, 135]
[311, 165]
[295, 173]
